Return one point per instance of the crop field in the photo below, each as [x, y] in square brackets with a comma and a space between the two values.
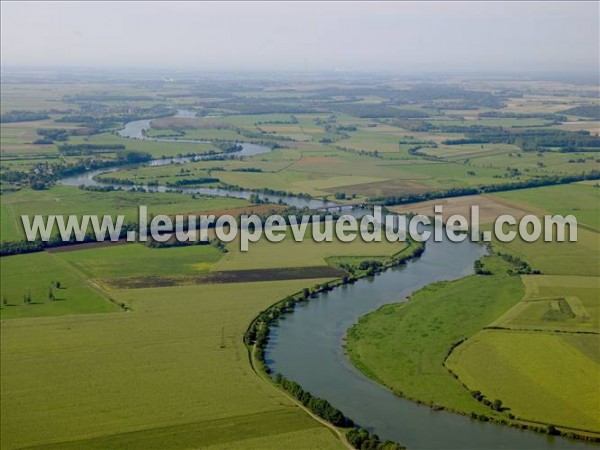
[539, 376]
[490, 207]
[559, 303]
[179, 368]
[579, 258]
[140, 260]
[264, 254]
[226, 276]
[581, 200]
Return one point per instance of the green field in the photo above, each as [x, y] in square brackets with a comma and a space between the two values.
[560, 258]
[140, 260]
[178, 371]
[581, 200]
[265, 254]
[556, 303]
[36, 274]
[517, 367]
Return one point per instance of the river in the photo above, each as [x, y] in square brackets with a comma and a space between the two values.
[307, 346]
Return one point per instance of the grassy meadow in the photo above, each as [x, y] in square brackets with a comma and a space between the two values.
[403, 346]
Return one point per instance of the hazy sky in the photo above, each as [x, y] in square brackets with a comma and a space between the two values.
[403, 36]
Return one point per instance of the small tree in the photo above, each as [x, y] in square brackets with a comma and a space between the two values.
[4, 300]
[497, 405]
[58, 285]
[50, 294]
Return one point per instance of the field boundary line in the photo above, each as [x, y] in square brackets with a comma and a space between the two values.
[540, 330]
[88, 281]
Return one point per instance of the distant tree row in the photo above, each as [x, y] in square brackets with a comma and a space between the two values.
[459, 192]
[22, 116]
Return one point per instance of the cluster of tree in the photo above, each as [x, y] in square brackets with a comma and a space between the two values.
[340, 129]
[496, 405]
[459, 192]
[190, 181]
[579, 150]
[251, 106]
[95, 123]
[515, 115]
[412, 125]
[531, 139]
[247, 169]
[115, 180]
[49, 135]
[587, 111]
[363, 440]
[228, 147]
[173, 243]
[292, 121]
[520, 267]
[100, 118]
[267, 191]
[83, 187]
[370, 267]
[316, 405]
[133, 157]
[86, 149]
[464, 141]
[449, 97]
[22, 116]
[480, 269]
[375, 111]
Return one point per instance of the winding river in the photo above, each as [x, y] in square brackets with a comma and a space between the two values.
[307, 346]
[136, 129]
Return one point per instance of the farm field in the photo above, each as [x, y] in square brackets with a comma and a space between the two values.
[36, 275]
[549, 379]
[180, 369]
[264, 254]
[490, 207]
[555, 303]
[578, 199]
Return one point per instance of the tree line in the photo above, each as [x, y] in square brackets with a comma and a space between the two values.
[459, 192]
